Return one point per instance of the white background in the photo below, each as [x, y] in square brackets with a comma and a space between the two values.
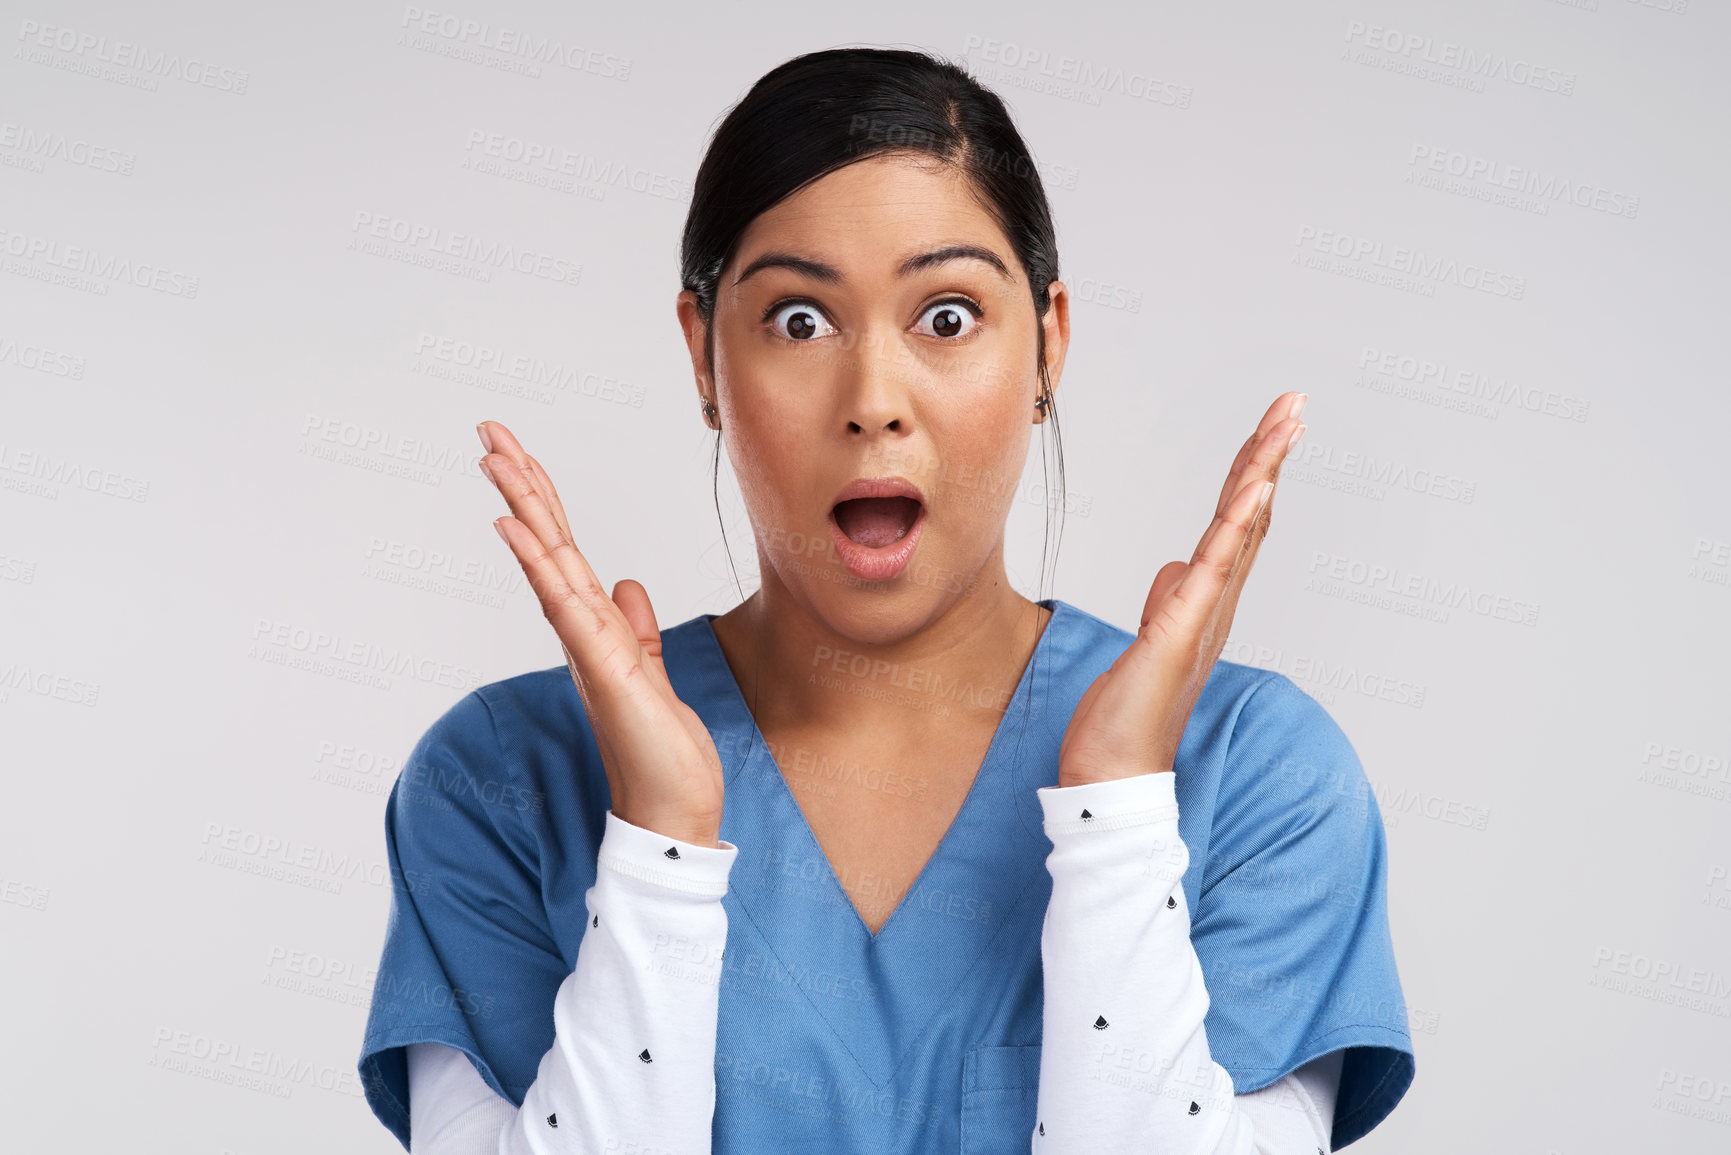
[198, 479]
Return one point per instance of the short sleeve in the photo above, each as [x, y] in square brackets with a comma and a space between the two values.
[1292, 921]
[469, 959]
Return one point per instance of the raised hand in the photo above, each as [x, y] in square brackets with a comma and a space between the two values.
[1131, 719]
[662, 766]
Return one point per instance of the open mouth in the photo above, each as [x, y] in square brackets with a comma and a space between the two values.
[876, 522]
[875, 534]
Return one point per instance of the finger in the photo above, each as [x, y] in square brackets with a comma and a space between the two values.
[1220, 618]
[1285, 406]
[567, 587]
[582, 614]
[502, 441]
[1219, 624]
[1230, 485]
[570, 594]
[633, 601]
[1185, 616]
[508, 444]
[1263, 464]
[535, 490]
[544, 485]
[498, 438]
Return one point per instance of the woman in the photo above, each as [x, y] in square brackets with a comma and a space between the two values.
[888, 857]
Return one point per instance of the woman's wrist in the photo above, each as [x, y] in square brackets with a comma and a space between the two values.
[1085, 776]
[683, 828]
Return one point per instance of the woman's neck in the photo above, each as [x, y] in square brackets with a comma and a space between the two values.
[871, 668]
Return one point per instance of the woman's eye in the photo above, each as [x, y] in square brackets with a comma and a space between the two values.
[947, 319]
[801, 322]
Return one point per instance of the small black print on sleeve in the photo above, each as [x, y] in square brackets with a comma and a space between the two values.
[1101, 1024]
[1085, 814]
[1042, 1128]
[671, 852]
[1171, 902]
[595, 920]
[553, 1120]
[1194, 1108]
[645, 1056]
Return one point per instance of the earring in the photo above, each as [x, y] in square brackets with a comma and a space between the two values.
[1040, 403]
[709, 417]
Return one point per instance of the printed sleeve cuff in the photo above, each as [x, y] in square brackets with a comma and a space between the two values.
[669, 862]
[1138, 800]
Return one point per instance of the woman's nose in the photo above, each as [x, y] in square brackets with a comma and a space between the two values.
[875, 388]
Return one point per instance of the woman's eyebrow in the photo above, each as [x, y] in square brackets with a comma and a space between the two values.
[816, 270]
[953, 253]
[829, 275]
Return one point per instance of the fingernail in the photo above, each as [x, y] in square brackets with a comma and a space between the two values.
[500, 530]
[1296, 434]
[1298, 406]
[488, 473]
[486, 441]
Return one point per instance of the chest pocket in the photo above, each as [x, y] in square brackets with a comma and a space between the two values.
[1000, 1087]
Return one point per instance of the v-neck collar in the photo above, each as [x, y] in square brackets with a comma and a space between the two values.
[948, 916]
[757, 751]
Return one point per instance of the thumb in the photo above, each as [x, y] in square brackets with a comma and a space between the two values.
[1170, 574]
[633, 601]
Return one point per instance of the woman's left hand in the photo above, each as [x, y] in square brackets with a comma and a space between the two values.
[1131, 719]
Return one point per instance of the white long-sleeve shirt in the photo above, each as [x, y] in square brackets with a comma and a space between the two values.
[1124, 1061]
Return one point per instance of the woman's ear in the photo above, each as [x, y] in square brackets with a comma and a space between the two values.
[1056, 324]
[696, 339]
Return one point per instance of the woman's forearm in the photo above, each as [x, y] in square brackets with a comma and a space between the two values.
[632, 1065]
[1124, 1062]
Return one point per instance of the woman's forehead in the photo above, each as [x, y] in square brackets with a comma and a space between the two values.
[873, 215]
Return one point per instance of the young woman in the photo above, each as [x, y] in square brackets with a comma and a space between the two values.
[888, 857]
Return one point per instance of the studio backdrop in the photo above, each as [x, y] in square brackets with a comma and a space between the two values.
[265, 266]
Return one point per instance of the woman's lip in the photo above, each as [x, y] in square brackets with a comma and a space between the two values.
[878, 487]
[882, 563]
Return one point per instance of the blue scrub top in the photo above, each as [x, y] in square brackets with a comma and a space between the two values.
[926, 1036]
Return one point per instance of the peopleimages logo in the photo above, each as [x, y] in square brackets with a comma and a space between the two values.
[40, 359]
[86, 46]
[1424, 371]
[1545, 188]
[1372, 476]
[479, 251]
[584, 168]
[541, 379]
[1072, 75]
[1481, 65]
[274, 638]
[105, 267]
[1337, 575]
[39, 145]
[514, 42]
[1423, 267]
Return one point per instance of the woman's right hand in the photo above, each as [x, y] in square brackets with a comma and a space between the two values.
[662, 766]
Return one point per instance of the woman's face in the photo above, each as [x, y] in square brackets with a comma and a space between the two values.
[876, 326]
